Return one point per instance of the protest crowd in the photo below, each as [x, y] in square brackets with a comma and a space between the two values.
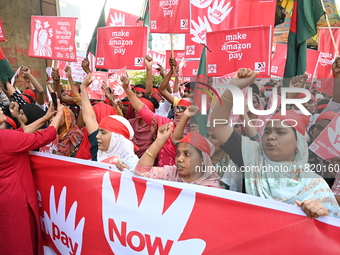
[158, 132]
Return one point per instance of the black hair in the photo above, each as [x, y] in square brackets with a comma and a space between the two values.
[125, 99]
[255, 88]
[153, 100]
[270, 84]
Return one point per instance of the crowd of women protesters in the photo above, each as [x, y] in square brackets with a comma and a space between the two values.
[157, 132]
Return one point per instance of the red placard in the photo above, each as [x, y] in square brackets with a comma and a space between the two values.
[115, 83]
[117, 18]
[190, 69]
[2, 32]
[95, 90]
[178, 54]
[328, 54]
[53, 38]
[121, 46]
[327, 144]
[279, 60]
[236, 48]
[85, 208]
[170, 16]
[78, 73]
[312, 64]
[216, 15]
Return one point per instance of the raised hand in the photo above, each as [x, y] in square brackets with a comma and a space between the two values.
[25, 71]
[121, 210]
[148, 61]
[336, 67]
[218, 12]
[244, 78]
[165, 131]
[55, 74]
[161, 70]
[125, 82]
[85, 64]
[191, 111]
[60, 222]
[298, 81]
[87, 80]
[68, 71]
[200, 30]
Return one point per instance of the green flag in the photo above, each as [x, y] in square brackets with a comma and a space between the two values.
[101, 23]
[305, 16]
[202, 68]
[146, 21]
[6, 71]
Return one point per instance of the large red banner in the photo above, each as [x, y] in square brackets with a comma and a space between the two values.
[170, 16]
[117, 18]
[2, 32]
[121, 46]
[215, 15]
[327, 144]
[53, 38]
[87, 208]
[328, 54]
[235, 48]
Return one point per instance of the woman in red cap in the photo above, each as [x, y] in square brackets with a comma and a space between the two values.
[277, 167]
[193, 163]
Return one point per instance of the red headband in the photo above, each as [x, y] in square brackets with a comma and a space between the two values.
[301, 95]
[184, 103]
[125, 102]
[329, 115]
[155, 90]
[196, 140]
[26, 99]
[148, 103]
[30, 93]
[300, 122]
[139, 89]
[114, 126]
[11, 122]
[321, 106]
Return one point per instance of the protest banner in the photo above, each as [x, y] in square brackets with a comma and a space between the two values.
[121, 46]
[158, 59]
[327, 144]
[115, 83]
[170, 17]
[78, 73]
[328, 54]
[208, 16]
[87, 207]
[2, 32]
[117, 18]
[312, 64]
[190, 68]
[236, 48]
[53, 38]
[95, 90]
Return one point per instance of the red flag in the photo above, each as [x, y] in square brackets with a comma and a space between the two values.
[53, 38]
[121, 46]
[2, 33]
[171, 17]
[244, 47]
[325, 80]
[279, 60]
[117, 18]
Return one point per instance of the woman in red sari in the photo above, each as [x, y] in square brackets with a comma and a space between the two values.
[19, 218]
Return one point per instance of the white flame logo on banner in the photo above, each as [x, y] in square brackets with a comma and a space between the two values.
[67, 237]
[200, 30]
[218, 13]
[334, 135]
[118, 20]
[144, 229]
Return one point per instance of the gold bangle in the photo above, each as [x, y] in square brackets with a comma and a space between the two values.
[230, 101]
[150, 154]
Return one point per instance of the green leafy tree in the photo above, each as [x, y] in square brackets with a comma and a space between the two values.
[139, 77]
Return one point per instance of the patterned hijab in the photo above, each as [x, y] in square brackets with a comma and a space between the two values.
[71, 137]
[289, 181]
